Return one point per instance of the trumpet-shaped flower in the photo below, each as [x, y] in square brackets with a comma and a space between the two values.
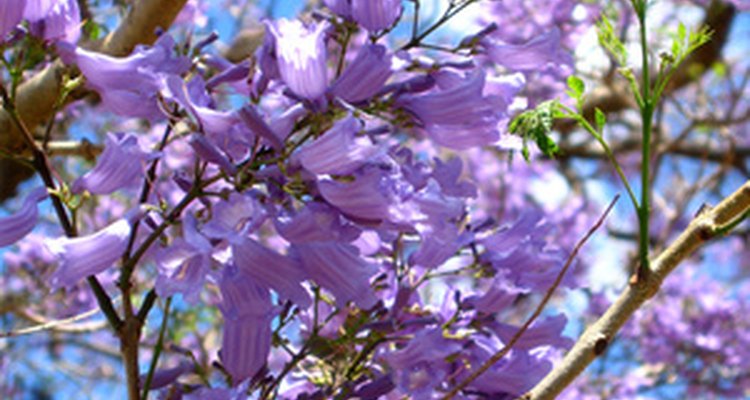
[301, 56]
[338, 151]
[532, 55]
[89, 255]
[248, 312]
[129, 86]
[184, 264]
[11, 13]
[457, 115]
[54, 19]
[376, 15]
[365, 76]
[121, 165]
[18, 225]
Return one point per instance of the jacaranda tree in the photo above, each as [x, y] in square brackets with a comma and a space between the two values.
[374, 199]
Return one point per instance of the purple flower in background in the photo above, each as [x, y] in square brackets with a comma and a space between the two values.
[54, 19]
[89, 255]
[365, 75]
[11, 13]
[18, 225]
[448, 175]
[183, 265]
[248, 312]
[301, 56]
[129, 86]
[121, 165]
[376, 15]
[338, 151]
[532, 55]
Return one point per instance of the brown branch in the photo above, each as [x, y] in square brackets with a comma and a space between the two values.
[537, 312]
[597, 337]
[36, 97]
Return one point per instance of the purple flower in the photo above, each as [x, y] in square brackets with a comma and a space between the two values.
[458, 115]
[11, 13]
[338, 151]
[532, 55]
[500, 295]
[421, 364]
[239, 392]
[235, 217]
[121, 165]
[301, 56]
[365, 76]
[515, 374]
[194, 98]
[365, 198]
[448, 174]
[18, 225]
[255, 122]
[209, 152]
[341, 7]
[129, 86]
[89, 255]
[184, 264]
[546, 332]
[338, 268]
[165, 376]
[317, 222]
[248, 312]
[54, 19]
[271, 270]
[376, 15]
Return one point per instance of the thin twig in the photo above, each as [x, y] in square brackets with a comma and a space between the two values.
[547, 296]
[594, 341]
[59, 325]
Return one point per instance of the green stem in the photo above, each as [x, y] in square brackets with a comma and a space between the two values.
[157, 350]
[608, 151]
[647, 113]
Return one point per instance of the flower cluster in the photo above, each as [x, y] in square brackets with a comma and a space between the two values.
[319, 187]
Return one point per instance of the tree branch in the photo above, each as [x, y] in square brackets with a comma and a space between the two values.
[35, 98]
[595, 340]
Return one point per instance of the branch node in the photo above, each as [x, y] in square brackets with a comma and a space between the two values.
[601, 344]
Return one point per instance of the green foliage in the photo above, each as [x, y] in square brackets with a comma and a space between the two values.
[536, 125]
[609, 39]
[685, 43]
[576, 90]
[601, 119]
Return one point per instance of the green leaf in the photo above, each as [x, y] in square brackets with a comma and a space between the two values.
[536, 125]
[601, 119]
[609, 39]
[576, 85]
